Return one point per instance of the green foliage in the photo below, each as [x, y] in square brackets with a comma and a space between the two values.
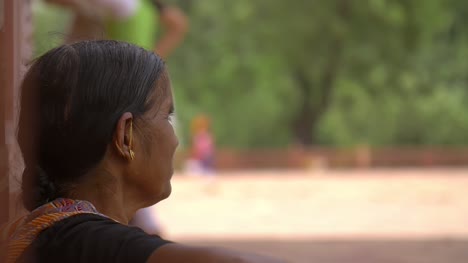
[50, 24]
[378, 72]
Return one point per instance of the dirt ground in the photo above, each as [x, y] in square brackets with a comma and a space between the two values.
[402, 215]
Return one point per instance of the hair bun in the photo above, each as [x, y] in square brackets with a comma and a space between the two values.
[37, 188]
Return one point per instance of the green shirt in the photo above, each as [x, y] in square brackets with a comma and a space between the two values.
[139, 29]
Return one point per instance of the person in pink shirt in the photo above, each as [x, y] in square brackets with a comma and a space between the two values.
[203, 146]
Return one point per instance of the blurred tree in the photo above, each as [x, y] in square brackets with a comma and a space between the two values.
[336, 72]
[369, 43]
[295, 55]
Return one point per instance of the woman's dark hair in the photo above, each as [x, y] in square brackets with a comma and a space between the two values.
[71, 100]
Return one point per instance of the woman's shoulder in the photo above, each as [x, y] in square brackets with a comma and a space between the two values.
[95, 238]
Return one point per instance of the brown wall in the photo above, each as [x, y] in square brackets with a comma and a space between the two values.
[15, 50]
[359, 157]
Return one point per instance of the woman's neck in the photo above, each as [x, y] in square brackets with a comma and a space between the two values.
[106, 192]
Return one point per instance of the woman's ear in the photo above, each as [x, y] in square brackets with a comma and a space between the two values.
[123, 136]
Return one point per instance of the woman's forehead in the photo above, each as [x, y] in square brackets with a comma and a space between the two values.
[163, 101]
[168, 101]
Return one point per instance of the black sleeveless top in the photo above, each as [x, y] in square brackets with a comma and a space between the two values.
[91, 238]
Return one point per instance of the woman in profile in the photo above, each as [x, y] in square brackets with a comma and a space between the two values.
[98, 144]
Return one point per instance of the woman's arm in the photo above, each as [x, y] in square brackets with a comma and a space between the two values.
[176, 253]
[175, 26]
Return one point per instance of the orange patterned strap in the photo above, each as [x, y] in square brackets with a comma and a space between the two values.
[26, 234]
[7, 230]
[18, 235]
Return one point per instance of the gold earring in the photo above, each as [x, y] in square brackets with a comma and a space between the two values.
[130, 143]
[118, 147]
[131, 134]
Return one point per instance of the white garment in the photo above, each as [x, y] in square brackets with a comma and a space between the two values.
[118, 9]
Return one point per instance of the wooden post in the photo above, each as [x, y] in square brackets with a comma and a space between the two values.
[15, 24]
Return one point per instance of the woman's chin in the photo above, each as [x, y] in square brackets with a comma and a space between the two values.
[167, 191]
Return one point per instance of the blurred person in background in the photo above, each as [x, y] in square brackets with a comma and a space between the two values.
[98, 144]
[202, 153]
[136, 22]
[133, 21]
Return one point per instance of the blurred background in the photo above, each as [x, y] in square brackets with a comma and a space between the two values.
[338, 129]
